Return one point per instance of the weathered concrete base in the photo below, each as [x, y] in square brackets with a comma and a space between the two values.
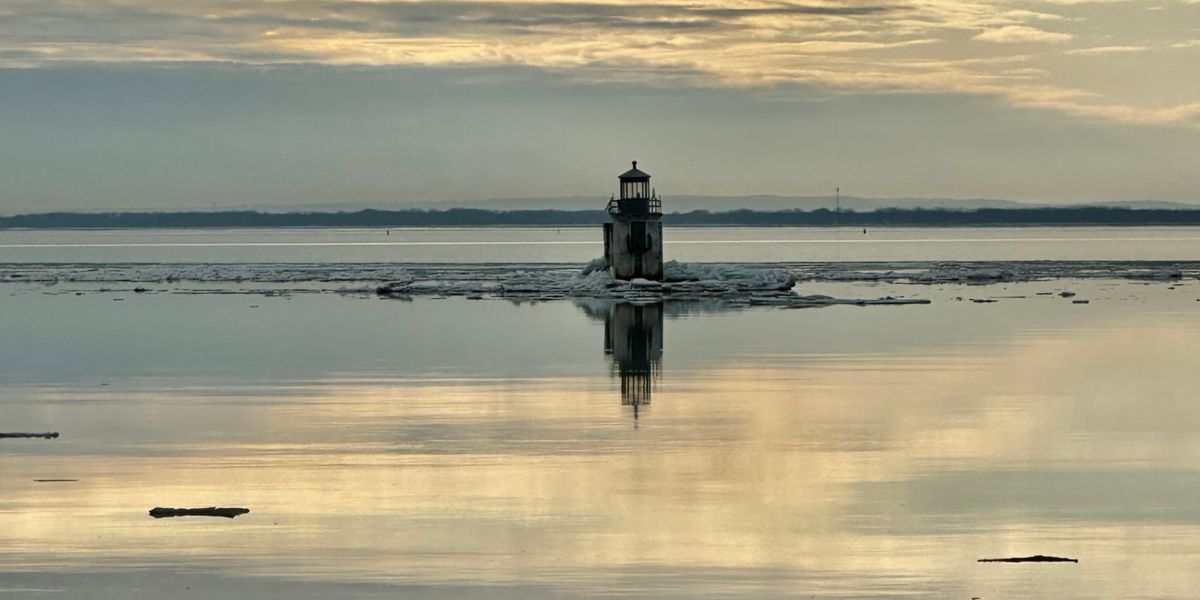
[633, 246]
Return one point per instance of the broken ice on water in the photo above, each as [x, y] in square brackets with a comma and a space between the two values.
[757, 283]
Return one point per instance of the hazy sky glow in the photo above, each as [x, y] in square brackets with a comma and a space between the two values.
[1082, 68]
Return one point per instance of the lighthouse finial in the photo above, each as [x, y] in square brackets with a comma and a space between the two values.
[635, 164]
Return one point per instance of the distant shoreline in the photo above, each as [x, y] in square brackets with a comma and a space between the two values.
[474, 218]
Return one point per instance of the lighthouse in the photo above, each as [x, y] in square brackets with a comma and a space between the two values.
[633, 236]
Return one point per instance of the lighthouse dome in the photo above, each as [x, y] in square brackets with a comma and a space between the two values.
[635, 174]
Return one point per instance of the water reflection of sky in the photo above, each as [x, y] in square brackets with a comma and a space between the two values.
[440, 445]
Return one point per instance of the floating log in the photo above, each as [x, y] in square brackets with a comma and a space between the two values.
[1034, 558]
[211, 511]
[48, 435]
[54, 480]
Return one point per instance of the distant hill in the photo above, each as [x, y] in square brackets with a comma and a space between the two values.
[465, 217]
[686, 203]
[683, 203]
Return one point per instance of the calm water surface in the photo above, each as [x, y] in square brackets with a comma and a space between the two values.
[455, 448]
[577, 245]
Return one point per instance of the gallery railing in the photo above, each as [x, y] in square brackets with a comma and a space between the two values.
[634, 206]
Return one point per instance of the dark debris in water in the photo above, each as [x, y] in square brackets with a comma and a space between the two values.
[211, 511]
[48, 435]
[1025, 559]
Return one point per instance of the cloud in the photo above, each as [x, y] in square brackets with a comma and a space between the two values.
[1085, 2]
[1017, 34]
[1029, 15]
[884, 45]
[1107, 50]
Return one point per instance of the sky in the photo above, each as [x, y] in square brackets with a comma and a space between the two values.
[135, 104]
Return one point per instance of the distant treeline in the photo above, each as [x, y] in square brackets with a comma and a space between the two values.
[454, 217]
[464, 217]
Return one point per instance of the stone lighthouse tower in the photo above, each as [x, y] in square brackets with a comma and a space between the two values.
[633, 238]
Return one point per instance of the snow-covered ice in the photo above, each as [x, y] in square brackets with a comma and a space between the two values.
[749, 283]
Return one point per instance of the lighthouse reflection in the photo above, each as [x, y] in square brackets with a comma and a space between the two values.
[633, 341]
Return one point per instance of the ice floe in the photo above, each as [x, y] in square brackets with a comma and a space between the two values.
[781, 284]
[681, 281]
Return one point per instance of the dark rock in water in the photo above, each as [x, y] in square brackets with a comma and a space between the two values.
[1067, 294]
[393, 291]
[1080, 302]
[212, 511]
[1034, 558]
[48, 435]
